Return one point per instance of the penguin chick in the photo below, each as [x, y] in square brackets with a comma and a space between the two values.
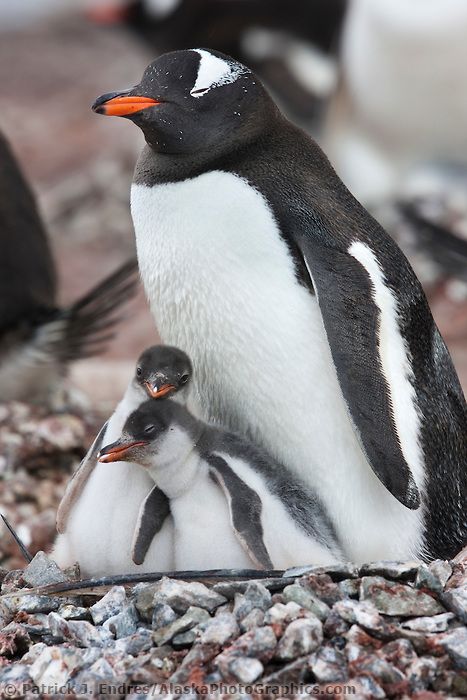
[232, 506]
[97, 532]
[37, 338]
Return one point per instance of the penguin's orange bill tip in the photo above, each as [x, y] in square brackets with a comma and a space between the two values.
[125, 105]
[118, 451]
[155, 393]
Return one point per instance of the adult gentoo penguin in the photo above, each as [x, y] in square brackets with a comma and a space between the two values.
[307, 328]
[37, 338]
[97, 516]
[231, 505]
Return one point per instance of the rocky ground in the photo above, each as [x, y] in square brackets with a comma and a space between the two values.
[388, 629]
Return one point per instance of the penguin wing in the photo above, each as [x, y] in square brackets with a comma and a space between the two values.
[245, 510]
[154, 510]
[353, 316]
[78, 481]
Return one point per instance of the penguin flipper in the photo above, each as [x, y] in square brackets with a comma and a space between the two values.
[78, 481]
[153, 512]
[352, 317]
[245, 510]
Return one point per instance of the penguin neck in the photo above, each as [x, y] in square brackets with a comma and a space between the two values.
[178, 463]
[155, 168]
[133, 397]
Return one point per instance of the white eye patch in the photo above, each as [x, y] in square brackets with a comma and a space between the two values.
[213, 72]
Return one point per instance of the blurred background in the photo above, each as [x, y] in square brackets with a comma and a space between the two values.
[381, 85]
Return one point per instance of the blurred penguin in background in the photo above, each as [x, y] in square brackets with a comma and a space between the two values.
[291, 45]
[38, 339]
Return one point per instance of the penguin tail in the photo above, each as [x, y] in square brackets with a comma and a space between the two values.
[86, 327]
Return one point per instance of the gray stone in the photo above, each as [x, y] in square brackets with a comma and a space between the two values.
[329, 665]
[255, 596]
[36, 603]
[108, 606]
[228, 589]
[455, 643]
[334, 625]
[190, 619]
[162, 615]
[139, 641]
[307, 600]
[322, 586]
[259, 643]
[436, 623]
[455, 599]
[124, 623]
[185, 639]
[379, 669]
[397, 599]
[281, 612]
[77, 632]
[54, 665]
[350, 587]
[364, 614]
[255, 618]
[220, 630]
[7, 611]
[245, 669]
[181, 595]
[434, 576]
[422, 673]
[391, 569]
[73, 612]
[300, 637]
[42, 570]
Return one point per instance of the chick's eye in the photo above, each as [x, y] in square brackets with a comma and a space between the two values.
[139, 371]
[184, 379]
[149, 429]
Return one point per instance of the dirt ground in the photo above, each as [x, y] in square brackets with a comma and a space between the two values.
[81, 168]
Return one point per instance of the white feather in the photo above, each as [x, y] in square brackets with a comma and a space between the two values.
[213, 72]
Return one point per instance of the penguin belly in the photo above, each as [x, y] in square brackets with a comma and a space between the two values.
[204, 537]
[102, 523]
[222, 286]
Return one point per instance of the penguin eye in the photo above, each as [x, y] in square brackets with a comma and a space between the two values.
[139, 371]
[149, 429]
[184, 379]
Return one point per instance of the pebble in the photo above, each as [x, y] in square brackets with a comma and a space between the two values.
[190, 619]
[307, 600]
[246, 670]
[162, 616]
[397, 599]
[72, 612]
[36, 603]
[434, 576]
[124, 623]
[42, 571]
[455, 599]
[329, 665]
[436, 623]
[455, 643]
[110, 605]
[181, 596]
[255, 618]
[221, 629]
[391, 569]
[256, 596]
[301, 637]
[323, 587]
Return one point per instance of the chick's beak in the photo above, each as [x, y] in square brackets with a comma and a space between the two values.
[121, 104]
[118, 451]
[156, 392]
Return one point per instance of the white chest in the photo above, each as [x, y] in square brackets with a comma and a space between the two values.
[221, 285]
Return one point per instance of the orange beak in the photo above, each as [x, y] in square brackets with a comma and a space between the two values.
[116, 451]
[155, 393]
[122, 105]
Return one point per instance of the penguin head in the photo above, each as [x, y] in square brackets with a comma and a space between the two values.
[162, 370]
[193, 101]
[158, 432]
